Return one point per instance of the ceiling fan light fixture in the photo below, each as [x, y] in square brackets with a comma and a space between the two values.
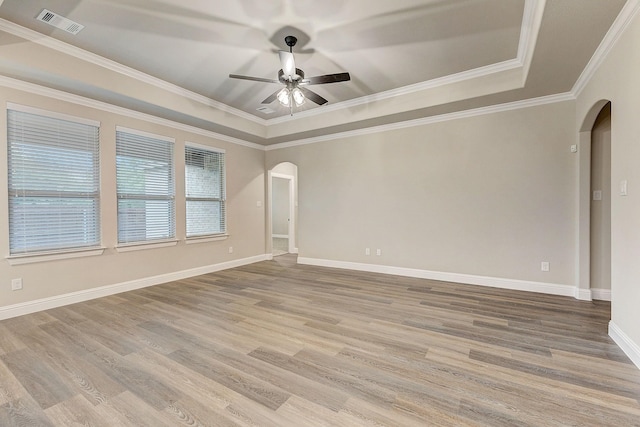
[295, 92]
[298, 96]
[284, 97]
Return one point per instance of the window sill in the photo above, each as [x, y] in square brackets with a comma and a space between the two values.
[52, 256]
[146, 245]
[205, 239]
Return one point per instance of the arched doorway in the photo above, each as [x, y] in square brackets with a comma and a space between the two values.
[283, 200]
[600, 223]
[594, 204]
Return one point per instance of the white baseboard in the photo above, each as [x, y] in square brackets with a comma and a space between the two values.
[623, 341]
[494, 282]
[20, 309]
[583, 294]
[601, 294]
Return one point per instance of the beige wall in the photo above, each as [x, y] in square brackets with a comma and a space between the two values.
[601, 209]
[246, 221]
[617, 80]
[280, 206]
[290, 169]
[491, 195]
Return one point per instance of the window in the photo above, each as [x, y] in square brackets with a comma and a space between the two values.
[146, 190]
[205, 191]
[54, 181]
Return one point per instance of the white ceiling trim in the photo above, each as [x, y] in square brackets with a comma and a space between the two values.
[405, 90]
[629, 11]
[531, 20]
[60, 46]
[528, 33]
[527, 103]
[103, 106]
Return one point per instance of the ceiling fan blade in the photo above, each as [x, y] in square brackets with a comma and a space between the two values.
[312, 96]
[288, 64]
[327, 78]
[271, 97]
[255, 79]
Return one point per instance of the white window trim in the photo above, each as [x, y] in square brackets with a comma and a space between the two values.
[207, 238]
[135, 246]
[67, 253]
[204, 147]
[145, 134]
[218, 236]
[35, 257]
[52, 114]
[140, 246]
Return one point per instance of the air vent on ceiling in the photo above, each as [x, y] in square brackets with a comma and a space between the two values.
[265, 110]
[59, 21]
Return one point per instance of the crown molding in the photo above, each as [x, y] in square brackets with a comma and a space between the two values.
[531, 19]
[60, 46]
[530, 24]
[516, 105]
[624, 18]
[405, 90]
[103, 106]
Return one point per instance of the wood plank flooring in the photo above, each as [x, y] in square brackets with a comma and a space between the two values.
[281, 344]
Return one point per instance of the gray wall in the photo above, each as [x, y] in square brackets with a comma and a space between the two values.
[492, 195]
[246, 222]
[617, 81]
[280, 207]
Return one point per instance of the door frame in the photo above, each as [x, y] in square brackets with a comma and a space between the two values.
[583, 267]
[291, 225]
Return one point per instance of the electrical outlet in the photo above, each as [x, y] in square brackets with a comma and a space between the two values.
[367, 251]
[16, 284]
[230, 249]
[544, 266]
[378, 252]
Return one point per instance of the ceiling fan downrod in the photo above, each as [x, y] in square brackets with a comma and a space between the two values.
[291, 42]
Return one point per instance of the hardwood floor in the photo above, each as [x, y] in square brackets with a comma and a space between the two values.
[280, 344]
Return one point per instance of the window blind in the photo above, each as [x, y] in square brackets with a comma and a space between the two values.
[205, 191]
[145, 187]
[54, 182]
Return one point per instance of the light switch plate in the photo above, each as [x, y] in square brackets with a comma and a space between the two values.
[597, 195]
[623, 187]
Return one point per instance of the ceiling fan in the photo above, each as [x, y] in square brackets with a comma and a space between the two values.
[295, 91]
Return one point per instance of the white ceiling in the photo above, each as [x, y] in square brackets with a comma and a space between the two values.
[407, 58]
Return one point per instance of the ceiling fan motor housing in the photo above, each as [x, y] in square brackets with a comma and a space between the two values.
[283, 78]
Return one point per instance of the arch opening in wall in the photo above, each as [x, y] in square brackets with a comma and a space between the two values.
[595, 204]
[282, 219]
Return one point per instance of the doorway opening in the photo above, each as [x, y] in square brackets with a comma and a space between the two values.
[283, 212]
[594, 204]
[600, 212]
